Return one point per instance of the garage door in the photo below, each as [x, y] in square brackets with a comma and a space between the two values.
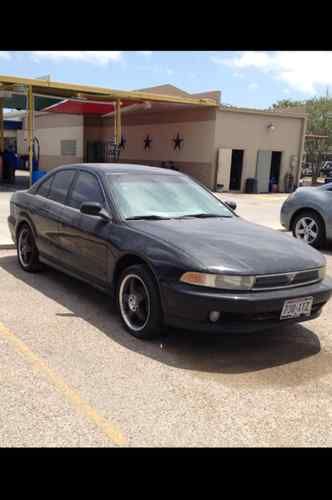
[224, 167]
[263, 171]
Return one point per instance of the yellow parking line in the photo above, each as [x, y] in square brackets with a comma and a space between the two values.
[266, 197]
[39, 365]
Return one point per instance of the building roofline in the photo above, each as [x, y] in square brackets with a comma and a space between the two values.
[263, 112]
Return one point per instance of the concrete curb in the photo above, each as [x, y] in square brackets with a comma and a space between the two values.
[7, 246]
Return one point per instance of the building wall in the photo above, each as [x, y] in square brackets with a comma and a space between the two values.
[204, 131]
[195, 126]
[51, 129]
[248, 131]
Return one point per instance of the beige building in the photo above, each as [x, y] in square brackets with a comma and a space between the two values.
[218, 146]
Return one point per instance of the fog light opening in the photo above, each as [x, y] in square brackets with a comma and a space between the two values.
[214, 316]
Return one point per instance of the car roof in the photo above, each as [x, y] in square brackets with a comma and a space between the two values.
[110, 168]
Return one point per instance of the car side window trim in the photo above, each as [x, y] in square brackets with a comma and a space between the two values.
[71, 187]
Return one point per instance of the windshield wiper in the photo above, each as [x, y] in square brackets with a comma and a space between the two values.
[148, 217]
[203, 216]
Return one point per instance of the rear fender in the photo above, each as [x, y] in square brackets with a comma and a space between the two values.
[24, 217]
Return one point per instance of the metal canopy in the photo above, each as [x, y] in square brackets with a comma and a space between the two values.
[40, 95]
[19, 101]
[70, 90]
[76, 107]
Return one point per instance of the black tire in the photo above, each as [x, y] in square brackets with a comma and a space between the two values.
[28, 258]
[307, 215]
[141, 317]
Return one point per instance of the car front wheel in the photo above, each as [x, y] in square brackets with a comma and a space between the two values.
[139, 302]
[309, 227]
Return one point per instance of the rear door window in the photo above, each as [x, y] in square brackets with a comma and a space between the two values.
[86, 188]
[44, 188]
[60, 185]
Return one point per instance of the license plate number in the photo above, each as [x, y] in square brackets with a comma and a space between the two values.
[297, 307]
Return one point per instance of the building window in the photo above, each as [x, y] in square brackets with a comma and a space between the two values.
[68, 148]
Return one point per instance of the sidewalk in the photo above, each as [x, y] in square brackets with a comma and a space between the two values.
[6, 191]
[5, 238]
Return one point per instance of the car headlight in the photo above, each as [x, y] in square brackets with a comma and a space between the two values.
[322, 272]
[222, 281]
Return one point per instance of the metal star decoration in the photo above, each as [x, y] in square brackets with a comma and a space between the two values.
[147, 143]
[122, 144]
[177, 142]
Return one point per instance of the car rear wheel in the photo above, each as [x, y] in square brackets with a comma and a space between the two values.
[309, 227]
[139, 302]
[27, 252]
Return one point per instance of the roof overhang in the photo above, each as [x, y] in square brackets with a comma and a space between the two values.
[316, 136]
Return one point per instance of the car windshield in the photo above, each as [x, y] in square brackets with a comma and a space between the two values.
[159, 196]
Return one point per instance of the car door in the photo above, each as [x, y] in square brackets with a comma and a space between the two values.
[87, 236]
[40, 219]
[52, 212]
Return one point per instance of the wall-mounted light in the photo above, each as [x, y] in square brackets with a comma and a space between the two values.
[271, 127]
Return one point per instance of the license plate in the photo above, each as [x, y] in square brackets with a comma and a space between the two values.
[296, 307]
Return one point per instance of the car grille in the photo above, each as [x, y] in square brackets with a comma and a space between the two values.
[286, 280]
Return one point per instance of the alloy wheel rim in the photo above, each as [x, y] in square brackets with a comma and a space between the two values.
[134, 302]
[25, 247]
[306, 229]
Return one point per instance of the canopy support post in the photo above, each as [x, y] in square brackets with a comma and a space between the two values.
[30, 131]
[115, 125]
[2, 134]
[118, 121]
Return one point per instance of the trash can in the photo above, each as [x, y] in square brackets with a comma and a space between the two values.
[251, 185]
[219, 188]
[37, 174]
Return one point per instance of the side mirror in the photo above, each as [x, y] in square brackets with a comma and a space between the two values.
[231, 204]
[94, 209]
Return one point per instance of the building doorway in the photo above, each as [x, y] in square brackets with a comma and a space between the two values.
[275, 169]
[236, 170]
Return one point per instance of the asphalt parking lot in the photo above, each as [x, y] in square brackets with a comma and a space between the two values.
[71, 376]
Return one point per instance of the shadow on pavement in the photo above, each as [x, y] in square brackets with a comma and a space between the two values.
[224, 354]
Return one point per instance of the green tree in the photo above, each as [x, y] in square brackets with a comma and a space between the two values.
[319, 110]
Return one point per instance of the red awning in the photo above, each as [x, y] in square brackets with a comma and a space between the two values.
[85, 108]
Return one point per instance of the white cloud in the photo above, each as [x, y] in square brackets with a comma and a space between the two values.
[146, 53]
[302, 71]
[5, 55]
[158, 69]
[236, 74]
[88, 56]
[252, 86]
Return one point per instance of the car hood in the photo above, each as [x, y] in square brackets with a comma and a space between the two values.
[233, 245]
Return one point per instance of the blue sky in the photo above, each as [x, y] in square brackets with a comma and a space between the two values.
[251, 79]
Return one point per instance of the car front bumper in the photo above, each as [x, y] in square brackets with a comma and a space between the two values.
[189, 307]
